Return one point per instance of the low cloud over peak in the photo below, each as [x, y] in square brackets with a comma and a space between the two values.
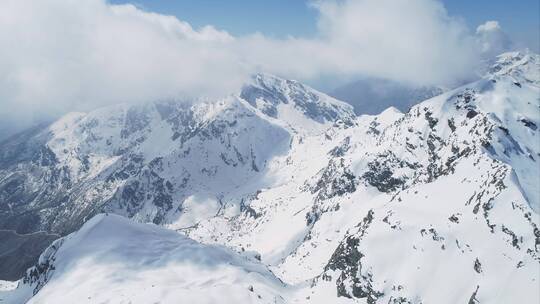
[492, 39]
[64, 55]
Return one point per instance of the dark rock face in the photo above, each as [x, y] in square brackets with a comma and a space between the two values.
[473, 299]
[339, 151]
[471, 114]
[25, 160]
[529, 124]
[380, 173]
[346, 260]
[22, 147]
[335, 180]
[430, 119]
[477, 266]
[39, 275]
[37, 179]
[145, 186]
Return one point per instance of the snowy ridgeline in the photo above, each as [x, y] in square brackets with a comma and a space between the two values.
[113, 260]
[315, 205]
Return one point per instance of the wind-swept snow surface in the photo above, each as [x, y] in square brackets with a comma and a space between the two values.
[114, 260]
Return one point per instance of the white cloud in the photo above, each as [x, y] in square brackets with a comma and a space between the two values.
[488, 26]
[60, 55]
[492, 39]
[413, 41]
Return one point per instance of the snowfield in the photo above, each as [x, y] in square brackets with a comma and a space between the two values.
[281, 194]
[114, 260]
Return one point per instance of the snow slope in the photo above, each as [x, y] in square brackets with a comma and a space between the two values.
[113, 260]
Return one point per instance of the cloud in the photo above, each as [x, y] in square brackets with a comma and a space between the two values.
[64, 55]
[411, 41]
[492, 39]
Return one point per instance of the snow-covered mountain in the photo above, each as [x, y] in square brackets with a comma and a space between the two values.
[436, 205]
[157, 162]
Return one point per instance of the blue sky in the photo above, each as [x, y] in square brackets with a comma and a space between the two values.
[280, 18]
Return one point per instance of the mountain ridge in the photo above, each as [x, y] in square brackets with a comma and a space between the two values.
[324, 202]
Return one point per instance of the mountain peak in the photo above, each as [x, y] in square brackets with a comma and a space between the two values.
[524, 65]
[279, 98]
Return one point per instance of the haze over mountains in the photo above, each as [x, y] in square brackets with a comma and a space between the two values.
[372, 96]
[281, 194]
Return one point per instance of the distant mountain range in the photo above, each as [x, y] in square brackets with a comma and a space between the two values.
[373, 95]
